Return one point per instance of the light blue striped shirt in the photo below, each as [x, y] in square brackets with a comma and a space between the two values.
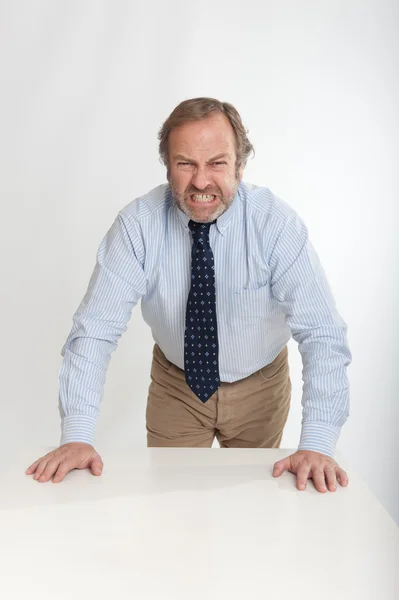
[269, 285]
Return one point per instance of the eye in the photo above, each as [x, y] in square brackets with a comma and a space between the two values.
[183, 163]
[219, 162]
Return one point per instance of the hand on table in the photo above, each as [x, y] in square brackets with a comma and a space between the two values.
[75, 455]
[307, 464]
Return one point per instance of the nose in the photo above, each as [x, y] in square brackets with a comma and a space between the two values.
[201, 179]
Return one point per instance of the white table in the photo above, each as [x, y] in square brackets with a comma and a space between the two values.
[191, 524]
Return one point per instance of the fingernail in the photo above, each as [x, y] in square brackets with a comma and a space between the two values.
[301, 486]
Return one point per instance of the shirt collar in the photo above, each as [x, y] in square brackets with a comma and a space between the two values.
[222, 222]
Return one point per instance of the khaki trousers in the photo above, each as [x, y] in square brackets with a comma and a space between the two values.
[249, 413]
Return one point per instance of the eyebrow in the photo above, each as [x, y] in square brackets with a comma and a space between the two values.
[182, 157]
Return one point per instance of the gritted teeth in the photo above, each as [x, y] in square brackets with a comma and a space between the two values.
[203, 197]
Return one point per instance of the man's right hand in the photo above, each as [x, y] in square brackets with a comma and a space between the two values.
[75, 455]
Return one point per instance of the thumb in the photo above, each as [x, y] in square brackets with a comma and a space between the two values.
[96, 466]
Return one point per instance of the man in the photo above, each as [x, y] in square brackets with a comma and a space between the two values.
[226, 274]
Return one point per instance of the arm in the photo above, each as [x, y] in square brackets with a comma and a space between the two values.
[300, 286]
[117, 283]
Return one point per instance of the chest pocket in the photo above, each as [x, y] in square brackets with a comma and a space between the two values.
[251, 304]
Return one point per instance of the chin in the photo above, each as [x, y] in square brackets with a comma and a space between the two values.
[205, 218]
[202, 216]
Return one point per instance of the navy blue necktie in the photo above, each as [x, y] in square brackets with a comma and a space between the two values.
[200, 338]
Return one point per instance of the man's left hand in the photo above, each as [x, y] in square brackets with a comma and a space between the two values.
[307, 464]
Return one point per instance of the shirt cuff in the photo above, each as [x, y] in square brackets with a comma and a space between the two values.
[319, 437]
[78, 428]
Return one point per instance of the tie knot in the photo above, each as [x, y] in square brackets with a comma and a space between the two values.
[200, 231]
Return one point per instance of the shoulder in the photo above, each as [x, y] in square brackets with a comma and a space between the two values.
[264, 204]
[149, 204]
[269, 217]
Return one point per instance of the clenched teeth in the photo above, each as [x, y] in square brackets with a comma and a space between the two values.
[202, 197]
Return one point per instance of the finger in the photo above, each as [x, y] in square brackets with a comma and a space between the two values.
[42, 463]
[50, 469]
[331, 478]
[319, 480]
[280, 467]
[342, 477]
[33, 466]
[302, 476]
[97, 466]
[40, 468]
[63, 469]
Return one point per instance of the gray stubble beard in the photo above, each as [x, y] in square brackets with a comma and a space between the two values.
[224, 204]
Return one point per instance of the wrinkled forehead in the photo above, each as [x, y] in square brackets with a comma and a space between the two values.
[212, 135]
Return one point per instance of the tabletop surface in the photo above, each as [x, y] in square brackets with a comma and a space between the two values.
[191, 523]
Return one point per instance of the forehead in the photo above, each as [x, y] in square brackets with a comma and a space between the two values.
[214, 133]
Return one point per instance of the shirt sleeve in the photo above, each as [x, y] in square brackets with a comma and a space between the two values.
[116, 285]
[300, 286]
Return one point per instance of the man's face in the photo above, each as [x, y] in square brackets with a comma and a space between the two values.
[202, 167]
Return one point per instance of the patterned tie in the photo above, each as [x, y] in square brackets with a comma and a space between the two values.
[200, 337]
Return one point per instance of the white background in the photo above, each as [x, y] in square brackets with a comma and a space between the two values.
[85, 87]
